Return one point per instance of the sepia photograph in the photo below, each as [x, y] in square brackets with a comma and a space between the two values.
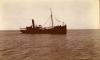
[49, 30]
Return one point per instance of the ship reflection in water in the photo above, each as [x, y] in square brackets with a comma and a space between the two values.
[75, 45]
[59, 29]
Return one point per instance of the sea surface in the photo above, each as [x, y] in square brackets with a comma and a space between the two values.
[75, 45]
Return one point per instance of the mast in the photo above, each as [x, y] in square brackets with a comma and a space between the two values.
[51, 18]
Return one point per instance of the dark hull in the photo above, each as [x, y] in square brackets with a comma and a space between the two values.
[55, 30]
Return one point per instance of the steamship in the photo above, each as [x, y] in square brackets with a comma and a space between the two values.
[33, 29]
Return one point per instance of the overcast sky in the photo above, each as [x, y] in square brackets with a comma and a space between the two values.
[77, 14]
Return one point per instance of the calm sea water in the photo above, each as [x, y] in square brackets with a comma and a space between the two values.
[75, 45]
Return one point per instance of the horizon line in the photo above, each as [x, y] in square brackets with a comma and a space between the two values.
[67, 29]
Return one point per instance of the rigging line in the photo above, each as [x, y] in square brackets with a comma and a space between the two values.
[46, 21]
[58, 20]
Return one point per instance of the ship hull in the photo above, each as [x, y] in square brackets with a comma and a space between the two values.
[55, 30]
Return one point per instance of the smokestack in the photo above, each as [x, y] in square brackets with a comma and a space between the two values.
[33, 24]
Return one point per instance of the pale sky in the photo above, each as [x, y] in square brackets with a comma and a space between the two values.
[77, 14]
